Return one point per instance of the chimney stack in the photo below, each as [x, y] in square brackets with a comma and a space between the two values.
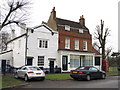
[23, 27]
[82, 20]
[53, 13]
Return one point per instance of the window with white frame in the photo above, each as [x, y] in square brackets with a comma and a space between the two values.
[85, 45]
[67, 27]
[76, 44]
[74, 61]
[40, 60]
[88, 61]
[67, 43]
[80, 30]
[43, 43]
[97, 61]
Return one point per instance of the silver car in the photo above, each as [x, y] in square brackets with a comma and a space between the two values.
[30, 72]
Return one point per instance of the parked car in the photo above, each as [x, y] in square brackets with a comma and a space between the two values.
[87, 72]
[30, 72]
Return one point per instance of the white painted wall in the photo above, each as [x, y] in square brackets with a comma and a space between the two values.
[18, 47]
[6, 56]
[33, 45]
[19, 51]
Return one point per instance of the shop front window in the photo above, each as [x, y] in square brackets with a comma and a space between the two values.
[74, 61]
[88, 61]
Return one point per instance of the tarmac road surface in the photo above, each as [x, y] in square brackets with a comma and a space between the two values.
[109, 82]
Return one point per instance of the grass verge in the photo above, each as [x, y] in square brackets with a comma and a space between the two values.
[10, 81]
[113, 71]
[58, 76]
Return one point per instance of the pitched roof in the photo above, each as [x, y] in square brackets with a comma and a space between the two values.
[70, 23]
[16, 38]
[6, 52]
[94, 50]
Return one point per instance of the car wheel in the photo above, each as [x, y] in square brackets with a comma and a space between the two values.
[88, 78]
[103, 76]
[26, 78]
[16, 76]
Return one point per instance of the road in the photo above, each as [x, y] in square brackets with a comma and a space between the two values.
[109, 82]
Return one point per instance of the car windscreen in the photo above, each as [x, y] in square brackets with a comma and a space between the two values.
[82, 68]
[34, 68]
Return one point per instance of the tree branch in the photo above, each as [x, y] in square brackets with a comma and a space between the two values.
[11, 16]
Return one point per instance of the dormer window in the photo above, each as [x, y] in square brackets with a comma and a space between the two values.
[67, 27]
[80, 30]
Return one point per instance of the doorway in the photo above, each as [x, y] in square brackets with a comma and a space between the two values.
[3, 66]
[29, 61]
[51, 66]
[65, 63]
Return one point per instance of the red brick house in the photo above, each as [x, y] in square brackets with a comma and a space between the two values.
[75, 43]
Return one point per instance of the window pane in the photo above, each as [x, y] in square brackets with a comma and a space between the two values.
[93, 69]
[71, 63]
[67, 27]
[46, 44]
[67, 43]
[40, 60]
[76, 44]
[88, 61]
[97, 60]
[85, 45]
[80, 30]
[43, 43]
[34, 68]
[40, 44]
[74, 63]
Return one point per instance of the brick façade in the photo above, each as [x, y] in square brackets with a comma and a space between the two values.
[58, 24]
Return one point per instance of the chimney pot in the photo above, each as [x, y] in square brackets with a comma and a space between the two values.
[53, 8]
[82, 16]
[82, 20]
[23, 27]
[53, 13]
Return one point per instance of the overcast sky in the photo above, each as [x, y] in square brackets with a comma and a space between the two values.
[93, 11]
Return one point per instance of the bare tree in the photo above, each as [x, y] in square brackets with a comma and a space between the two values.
[4, 38]
[108, 52]
[101, 35]
[96, 46]
[13, 12]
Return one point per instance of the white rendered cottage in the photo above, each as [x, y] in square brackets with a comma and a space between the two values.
[37, 47]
